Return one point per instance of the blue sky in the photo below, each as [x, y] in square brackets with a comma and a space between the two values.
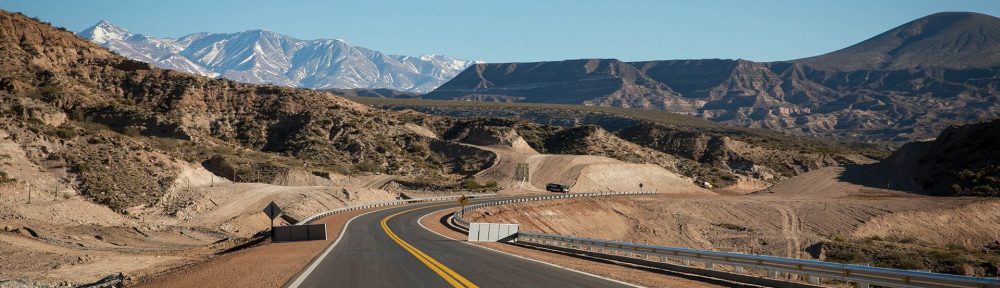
[520, 31]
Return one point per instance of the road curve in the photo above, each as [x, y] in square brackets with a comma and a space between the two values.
[369, 256]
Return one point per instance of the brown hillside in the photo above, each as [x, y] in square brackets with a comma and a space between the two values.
[49, 76]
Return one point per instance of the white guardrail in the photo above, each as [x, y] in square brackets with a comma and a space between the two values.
[863, 276]
[390, 203]
[464, 224]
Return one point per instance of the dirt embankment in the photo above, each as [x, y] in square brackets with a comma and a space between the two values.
[74, 240]
[772, 225]
[244, 268]
[518, 167]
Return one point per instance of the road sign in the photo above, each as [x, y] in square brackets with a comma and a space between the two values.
[463, 200]
[272, 210]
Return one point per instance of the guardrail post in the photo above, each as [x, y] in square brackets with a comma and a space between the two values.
[738, 269]
[773, 274]
[863, 285]
[709, 265]
[686, 262]
[813, 279]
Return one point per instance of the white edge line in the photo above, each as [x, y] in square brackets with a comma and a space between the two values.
[312, 266]
[421, 222]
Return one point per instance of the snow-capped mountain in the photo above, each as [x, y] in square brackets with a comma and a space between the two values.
[261, 56]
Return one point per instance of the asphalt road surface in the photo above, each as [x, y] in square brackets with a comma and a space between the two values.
[388, 248]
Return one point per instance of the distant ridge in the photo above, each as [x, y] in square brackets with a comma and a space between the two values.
[954, 40]
[261, 56]
[903, 85]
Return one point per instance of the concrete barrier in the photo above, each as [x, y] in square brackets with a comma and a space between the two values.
[492, 232]
[296, 233]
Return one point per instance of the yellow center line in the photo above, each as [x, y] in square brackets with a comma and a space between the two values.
[449, 275]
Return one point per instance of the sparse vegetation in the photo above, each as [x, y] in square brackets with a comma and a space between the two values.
[6, 179]
[708, 151]
[616, 117]
[905, 253]
[467, 185]
[475, 186]
[731, 226]
[962, 161]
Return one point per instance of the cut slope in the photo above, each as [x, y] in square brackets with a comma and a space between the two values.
[962, 161]
[583, 173]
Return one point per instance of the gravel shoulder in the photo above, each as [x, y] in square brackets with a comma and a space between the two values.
[269, 265]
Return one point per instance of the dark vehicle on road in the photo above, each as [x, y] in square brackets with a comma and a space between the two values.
[554, 187]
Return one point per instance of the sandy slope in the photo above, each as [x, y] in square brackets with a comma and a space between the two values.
[839, 182]
[766, 225]
[583, 173]
[72, 239]
[801, 211]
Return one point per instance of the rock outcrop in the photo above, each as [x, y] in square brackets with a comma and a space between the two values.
[903, 85]
[122, 126]
[962, 161]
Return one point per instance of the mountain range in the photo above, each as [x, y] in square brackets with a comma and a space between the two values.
[261, 56]
[908, 83]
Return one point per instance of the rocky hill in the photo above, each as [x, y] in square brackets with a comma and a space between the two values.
[953, 40]
[963, 161]
[930, 73]
[120, 127]
[750, 159]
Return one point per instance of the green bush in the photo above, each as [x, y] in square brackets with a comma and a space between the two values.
[956, 188]
[368, 166]
[731, 226]
[846, 257]
[5, 179]
[470, 185]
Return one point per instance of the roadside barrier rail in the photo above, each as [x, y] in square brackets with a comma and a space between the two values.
[390, 203]
[460, 221]
[864, 276]
[811, 270]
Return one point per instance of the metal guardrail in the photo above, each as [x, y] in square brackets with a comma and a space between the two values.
[464, 224]
[389, 203]
[863, 275]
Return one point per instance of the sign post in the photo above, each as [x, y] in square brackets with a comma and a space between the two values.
[463, 200]
[272, 210]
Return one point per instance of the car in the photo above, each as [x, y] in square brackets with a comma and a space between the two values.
[555, 187]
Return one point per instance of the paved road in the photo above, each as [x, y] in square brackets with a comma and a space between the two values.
[369, 256]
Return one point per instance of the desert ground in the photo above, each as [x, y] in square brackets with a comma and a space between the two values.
[203, 215]
[73, 240]
[810, 216]
[76, 241]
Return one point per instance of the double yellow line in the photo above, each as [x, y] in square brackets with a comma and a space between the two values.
[449, 275]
